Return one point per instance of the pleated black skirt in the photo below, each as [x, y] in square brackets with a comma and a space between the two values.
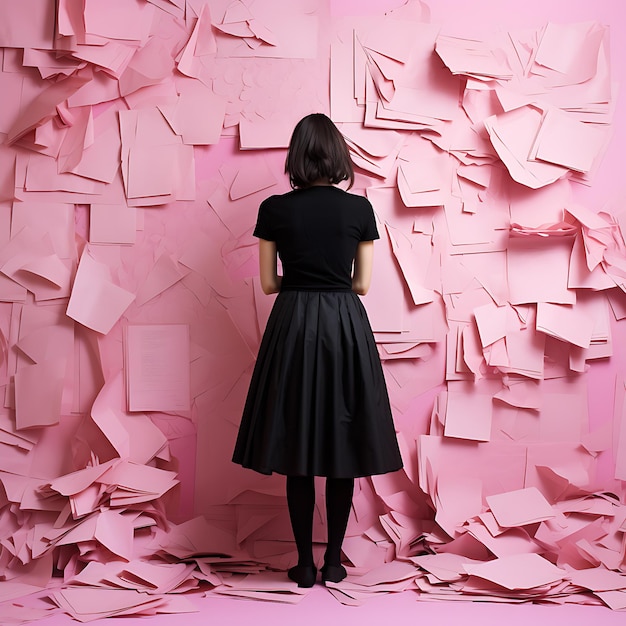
[317, 404]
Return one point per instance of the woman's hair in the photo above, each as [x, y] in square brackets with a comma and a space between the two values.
[317, 150]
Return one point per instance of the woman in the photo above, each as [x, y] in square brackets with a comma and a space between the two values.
[317, 403]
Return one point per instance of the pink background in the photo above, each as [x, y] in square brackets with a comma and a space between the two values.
[225, 316]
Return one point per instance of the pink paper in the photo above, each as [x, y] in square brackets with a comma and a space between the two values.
[138, 140]
[158, 367]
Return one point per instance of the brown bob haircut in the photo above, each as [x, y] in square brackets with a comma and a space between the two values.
[317, 151]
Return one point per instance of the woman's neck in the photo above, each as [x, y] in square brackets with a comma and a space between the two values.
[321, 182]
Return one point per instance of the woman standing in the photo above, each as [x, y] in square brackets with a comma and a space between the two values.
[317, 403]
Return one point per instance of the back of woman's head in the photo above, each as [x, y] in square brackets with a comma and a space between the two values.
[317, 152]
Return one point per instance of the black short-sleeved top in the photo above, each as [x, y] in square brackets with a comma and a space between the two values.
[316, 231]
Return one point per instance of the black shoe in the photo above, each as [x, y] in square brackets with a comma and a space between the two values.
[304, 575]
[333, 573]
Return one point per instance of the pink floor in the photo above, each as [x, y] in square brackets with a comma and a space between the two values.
[319, 608]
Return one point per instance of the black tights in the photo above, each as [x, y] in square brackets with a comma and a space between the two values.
[301, 502]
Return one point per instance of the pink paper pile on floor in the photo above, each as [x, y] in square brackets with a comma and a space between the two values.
[137, 139]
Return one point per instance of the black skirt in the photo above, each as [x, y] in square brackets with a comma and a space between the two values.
[317, 403]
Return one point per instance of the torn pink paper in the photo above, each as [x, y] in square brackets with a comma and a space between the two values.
[96, 302]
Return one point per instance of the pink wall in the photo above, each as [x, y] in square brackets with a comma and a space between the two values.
[135, 149]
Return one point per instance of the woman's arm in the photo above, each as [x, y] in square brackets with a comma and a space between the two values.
[268, 267]
[363, 263]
